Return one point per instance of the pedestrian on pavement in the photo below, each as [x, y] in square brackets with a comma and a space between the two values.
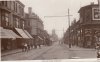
[34, 43]
[38, 42]
[26, 47]
[31, 45]
[22, 47]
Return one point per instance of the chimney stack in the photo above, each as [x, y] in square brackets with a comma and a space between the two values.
[92, 3]
[30, 10]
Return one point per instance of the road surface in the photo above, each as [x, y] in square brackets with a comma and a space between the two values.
[56, 51]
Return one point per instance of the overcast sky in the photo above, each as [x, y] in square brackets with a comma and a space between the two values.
[56, 8]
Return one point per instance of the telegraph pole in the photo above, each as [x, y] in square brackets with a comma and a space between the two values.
[69, 27]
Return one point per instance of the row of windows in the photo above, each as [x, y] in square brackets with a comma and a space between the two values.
[6, 20]
[18, 22]
[13, 5]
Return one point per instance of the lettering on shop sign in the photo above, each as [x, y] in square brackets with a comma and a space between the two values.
[95, 14]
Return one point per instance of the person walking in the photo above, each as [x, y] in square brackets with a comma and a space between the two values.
[26, 47]
[38, 42]
[98, 50]
[35, 46]
[22, 47]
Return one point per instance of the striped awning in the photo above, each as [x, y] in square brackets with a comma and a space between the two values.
[40, 37]
[5, 34]
[22, 33]
[14, 34]
[28, 34]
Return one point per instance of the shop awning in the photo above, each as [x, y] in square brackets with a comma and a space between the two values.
[28, 34]
[40, 37]
[22, 33]
[5, 34]
[14, 34]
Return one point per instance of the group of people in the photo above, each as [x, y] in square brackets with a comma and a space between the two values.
[26, 47]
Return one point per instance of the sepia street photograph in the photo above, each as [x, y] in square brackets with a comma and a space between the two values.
[49, 29]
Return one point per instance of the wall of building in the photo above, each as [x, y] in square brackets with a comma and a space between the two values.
[35, 22]
[10, 12]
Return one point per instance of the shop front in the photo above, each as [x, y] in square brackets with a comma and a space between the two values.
[24, 35]
[31, 40]
[8, 39]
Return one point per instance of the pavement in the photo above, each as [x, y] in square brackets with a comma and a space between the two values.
[84, 53]
[11, 52]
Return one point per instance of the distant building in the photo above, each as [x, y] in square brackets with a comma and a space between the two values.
[54, 36]
[34, 25]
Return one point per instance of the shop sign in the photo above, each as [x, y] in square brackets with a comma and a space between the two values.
[95, 14]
